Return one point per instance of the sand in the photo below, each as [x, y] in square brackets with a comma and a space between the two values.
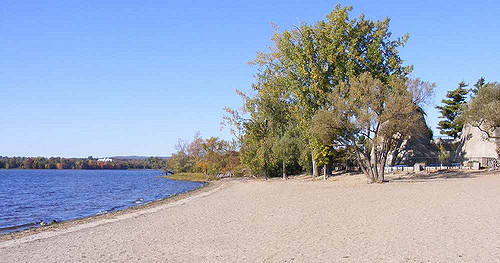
[434, 219]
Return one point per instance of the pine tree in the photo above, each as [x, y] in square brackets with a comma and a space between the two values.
[479, 84]
[452, 108]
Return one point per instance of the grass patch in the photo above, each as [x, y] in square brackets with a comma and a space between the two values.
[194, 177]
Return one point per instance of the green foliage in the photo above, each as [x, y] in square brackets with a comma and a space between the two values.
[288, 146]
[481, 82]
[444, 155]
[155, 163]
[269, 136]
[341, 85]
[287, 149]
[298, 75]
[256, 148]
[453, 107]
[323, 155]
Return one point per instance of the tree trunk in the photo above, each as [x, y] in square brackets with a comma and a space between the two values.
[380, 178]
[365, 167]
[315, 172]
[372, 166]
[379, 166]
[265, 174]
[370, 179]
[325, 172]
[381, 172]
[285, 176]
[370, 173]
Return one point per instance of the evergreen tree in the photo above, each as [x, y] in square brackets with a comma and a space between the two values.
[479, 84]
[452, 108]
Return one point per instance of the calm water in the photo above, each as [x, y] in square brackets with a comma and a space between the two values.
[30, 196]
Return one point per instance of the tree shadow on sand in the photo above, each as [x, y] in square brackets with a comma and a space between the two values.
[435, 175]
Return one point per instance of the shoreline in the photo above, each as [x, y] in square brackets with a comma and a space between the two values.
[208, 185]
[16, 235]
[192, 177]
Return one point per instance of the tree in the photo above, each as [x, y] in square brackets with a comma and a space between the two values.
[444, 155]
[269, 135]
[181, 161]
[256, 148]
[323, 155]
[287, 149]
[316, 58]
[479, 84]
[483, 111]
[453, 107]
[212, 156]
[369, 118]
[341, 84]
[153, 162]
[195, 151]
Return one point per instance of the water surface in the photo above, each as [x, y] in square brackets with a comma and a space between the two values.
[28, 197]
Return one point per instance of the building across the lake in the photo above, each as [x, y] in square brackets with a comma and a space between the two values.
[105, 160]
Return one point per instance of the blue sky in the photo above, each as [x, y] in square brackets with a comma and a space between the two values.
[106, 78]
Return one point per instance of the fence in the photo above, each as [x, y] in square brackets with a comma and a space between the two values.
[486, 162]
[427, 161]
[411, 169]
[429, 164]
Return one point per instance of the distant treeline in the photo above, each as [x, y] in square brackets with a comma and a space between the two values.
[78, 163]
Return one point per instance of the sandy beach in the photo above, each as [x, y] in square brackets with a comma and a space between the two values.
[438, 218]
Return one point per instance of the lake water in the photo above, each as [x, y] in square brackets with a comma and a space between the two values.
[28, 197]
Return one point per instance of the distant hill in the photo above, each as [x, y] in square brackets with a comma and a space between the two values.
[135, 157]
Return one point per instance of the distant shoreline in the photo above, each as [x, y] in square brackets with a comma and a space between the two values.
[62, 163]
[100, 169]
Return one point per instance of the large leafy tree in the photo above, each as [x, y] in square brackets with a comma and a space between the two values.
[341, 83]
[370, 118]
[270, 133]
[315, 59]
[451, 109]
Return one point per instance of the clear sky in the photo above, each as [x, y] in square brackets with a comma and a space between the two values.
[103, 78]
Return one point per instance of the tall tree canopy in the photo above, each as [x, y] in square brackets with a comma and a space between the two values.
[270, 135]
[452, 108]
[338, 63]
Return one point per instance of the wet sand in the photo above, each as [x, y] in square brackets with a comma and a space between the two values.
[434, 218]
